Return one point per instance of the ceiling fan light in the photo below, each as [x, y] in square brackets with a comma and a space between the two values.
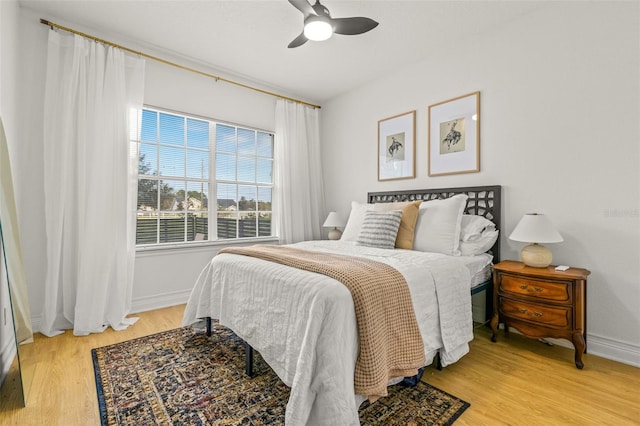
[317, 28]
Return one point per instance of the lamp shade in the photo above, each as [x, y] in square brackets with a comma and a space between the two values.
[333, 221]
[535, 228]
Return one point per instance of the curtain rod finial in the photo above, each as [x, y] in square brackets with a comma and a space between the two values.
[45, 22]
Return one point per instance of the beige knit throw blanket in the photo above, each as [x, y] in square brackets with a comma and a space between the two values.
[390, 340]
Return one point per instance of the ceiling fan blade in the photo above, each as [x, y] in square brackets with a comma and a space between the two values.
[298, 41]
[304, 7]
[353, 26]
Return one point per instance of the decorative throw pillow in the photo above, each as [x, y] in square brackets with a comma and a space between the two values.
[380, 229]
[354, 223]
[438, 226]
[406, 232]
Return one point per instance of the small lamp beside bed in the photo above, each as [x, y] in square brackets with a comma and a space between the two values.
[535, 228]
[334, 221]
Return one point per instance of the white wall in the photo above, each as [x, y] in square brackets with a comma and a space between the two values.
[560, 92]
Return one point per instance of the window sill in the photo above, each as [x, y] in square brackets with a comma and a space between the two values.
[167, 248]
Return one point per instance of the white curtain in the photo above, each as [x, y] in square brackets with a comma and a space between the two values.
[298, 194]
[89, 182]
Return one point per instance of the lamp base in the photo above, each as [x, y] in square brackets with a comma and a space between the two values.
[335, 234]
[536, 255]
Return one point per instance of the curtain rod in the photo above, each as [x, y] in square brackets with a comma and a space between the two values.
[173, 64]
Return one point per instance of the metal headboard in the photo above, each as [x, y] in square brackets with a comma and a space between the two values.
[483, 201]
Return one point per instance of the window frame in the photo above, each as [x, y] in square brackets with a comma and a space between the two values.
[212, 183]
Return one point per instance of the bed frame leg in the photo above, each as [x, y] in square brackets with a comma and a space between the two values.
[438, 362]
[248, 350]
[248, 359]
[208, 322]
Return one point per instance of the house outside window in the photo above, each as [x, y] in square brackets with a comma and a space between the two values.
[201, 180]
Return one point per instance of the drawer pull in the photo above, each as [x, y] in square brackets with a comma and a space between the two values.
[524, 311]
[534, 290]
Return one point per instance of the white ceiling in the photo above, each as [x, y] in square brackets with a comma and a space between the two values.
[249, 39]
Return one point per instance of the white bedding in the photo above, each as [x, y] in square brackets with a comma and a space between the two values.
[479, 267]
[303, 324]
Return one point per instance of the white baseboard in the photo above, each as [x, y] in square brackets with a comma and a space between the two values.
[159, 301]
[626, 353]
[604, 347]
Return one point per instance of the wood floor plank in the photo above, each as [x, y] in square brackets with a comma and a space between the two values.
[515, 381]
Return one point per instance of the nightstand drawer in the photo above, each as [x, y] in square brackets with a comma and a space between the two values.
[556, 291]
[546, 315]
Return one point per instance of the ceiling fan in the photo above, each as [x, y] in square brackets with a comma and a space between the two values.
[319, 25]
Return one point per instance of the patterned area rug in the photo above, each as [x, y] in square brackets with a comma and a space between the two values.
[183, 377]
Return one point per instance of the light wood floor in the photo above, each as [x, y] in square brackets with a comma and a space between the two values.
[516, 381]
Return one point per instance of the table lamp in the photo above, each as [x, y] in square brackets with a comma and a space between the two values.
[535, 228]
[334, 221]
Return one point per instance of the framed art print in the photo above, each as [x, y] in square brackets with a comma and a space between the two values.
[397, 147]
[454, 136]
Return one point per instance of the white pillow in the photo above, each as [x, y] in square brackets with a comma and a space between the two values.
[473, 225]
[379, 229]
[479, 245]
[438, 225]
[352, 229]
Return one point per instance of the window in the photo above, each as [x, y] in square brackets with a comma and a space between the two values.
[182, 160]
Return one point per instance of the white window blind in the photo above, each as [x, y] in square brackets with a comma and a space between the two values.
[185, 162]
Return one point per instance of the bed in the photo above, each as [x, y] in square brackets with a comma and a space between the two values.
[304, 325]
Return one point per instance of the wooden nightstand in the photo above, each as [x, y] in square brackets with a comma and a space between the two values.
[541, 302]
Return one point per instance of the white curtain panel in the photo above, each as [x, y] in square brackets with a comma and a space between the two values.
[298, 194]
[88, 173]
